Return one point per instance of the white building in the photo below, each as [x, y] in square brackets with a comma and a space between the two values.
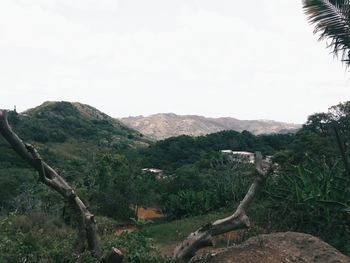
[240, 155]
[152, 170]
[157, 172]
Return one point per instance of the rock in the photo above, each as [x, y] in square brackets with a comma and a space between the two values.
[288, 247]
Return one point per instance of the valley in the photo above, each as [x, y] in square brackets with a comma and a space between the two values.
[178, 184]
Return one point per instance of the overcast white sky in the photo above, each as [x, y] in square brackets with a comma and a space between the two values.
[246, 59]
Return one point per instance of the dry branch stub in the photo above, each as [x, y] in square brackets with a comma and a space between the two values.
[114, 256]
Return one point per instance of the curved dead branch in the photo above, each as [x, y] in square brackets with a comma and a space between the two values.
[203, 237]
[87, 224]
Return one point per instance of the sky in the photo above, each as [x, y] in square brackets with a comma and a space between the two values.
[253, 59]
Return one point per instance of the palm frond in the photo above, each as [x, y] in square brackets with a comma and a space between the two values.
[332, 22]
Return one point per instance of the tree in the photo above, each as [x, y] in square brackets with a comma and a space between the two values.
[332, 22]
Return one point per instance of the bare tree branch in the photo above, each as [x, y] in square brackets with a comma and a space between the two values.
[47, 175]
[203, 237]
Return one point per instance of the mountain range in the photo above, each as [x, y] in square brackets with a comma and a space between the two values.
[165, 125]
[55, 121]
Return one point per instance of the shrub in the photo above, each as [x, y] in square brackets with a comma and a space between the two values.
[138, 248]
[315, 199]
[35, 238]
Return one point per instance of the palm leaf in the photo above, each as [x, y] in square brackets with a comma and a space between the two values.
[332, 22]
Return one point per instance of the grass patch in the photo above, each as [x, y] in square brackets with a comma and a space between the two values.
[168, 233]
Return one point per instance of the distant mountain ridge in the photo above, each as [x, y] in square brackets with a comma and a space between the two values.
[164, 125]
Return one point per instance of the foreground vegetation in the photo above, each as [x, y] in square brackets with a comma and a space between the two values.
[309, 193]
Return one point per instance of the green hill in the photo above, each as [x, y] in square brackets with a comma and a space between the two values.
[68, 136]
[61, 121]
[70, 131]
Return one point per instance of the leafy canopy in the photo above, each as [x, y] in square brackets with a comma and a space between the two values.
[332, 22]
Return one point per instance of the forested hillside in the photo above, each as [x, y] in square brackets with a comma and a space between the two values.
[175, 152]
[70, 136]
[63, 121]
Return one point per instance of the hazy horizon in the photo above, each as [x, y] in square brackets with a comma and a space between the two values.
[249, 60]
[156, 113]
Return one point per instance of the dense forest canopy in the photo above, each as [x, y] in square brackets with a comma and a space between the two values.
[175, 152]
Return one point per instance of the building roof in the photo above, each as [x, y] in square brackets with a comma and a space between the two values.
[237, 152]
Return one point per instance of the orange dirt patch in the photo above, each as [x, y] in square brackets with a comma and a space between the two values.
[148, 213]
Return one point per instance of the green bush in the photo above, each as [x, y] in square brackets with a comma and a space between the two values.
[190, 203]
[192, 194]
[138, 248]
[35, 238]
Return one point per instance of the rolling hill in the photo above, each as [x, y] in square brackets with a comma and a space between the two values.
[69, 136]
[62, 121]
